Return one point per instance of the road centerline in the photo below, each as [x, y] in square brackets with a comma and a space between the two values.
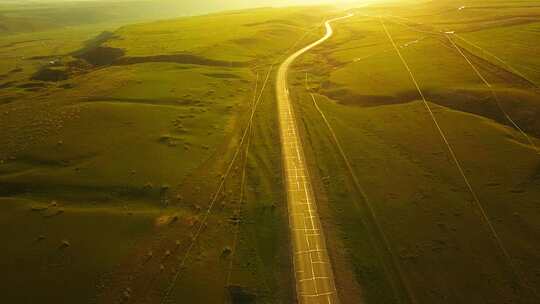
[319, 286]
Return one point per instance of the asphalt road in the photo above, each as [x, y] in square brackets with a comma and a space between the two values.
[313, 271]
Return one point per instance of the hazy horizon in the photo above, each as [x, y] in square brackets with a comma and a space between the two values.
[170, 8]
[242, 3]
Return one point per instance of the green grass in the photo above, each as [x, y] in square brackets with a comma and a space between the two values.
[132, 150]
[21, 17]
[512, 45]
[502, 28]
[435, 233]
[363, 71]
[421, 201]
[149, 142]
[35, 257]
[236, 36]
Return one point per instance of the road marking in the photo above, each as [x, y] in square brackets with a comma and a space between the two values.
[307, 238]
[315, 278]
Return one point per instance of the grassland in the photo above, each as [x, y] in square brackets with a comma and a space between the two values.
[121, 162]
[39, 16]
[409, 223]
[131, 170]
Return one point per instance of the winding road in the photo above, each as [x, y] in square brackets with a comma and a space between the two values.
[313, 271]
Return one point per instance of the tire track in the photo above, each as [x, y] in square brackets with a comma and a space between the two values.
[494, 95]
[483, 214]
[402, 283]
[215, 196]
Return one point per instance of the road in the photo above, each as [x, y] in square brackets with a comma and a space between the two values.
[313, 271]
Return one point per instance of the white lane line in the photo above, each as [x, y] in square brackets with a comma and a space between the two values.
[299, 196]
[320, 262]
[318, 294]
[306, 229]
[310, 258]
[309, 251]
[315, 278]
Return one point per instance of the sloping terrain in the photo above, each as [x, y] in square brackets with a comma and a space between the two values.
[406, 216]
[140, 163]
[121, 162]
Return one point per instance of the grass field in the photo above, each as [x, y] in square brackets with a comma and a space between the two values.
[426, 238]
[132, 171]
[112, 167]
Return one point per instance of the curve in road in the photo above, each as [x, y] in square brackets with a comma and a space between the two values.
[313, 271]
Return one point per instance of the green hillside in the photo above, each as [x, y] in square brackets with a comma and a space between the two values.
[409, 222]
[117, 140]
[140, 157]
